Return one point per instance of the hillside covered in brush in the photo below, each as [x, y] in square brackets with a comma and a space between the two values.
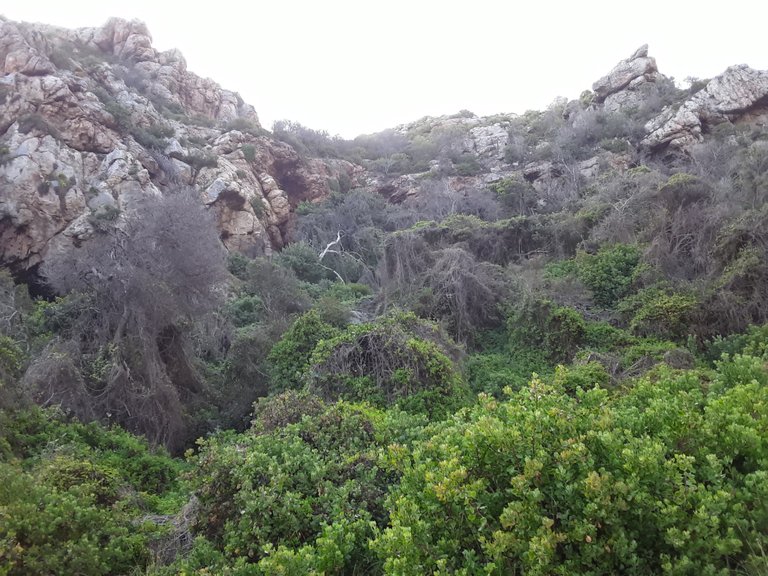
[520, 344]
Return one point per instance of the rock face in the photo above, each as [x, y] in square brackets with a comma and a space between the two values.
[622, 86]
[737, 93]
[487, 142]
[93, 120]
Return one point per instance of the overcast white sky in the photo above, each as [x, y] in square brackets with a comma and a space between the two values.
[356, 66]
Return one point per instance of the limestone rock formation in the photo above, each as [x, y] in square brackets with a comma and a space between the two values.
[487, 142]
[92, 120]
[737, 93]
[622, 86]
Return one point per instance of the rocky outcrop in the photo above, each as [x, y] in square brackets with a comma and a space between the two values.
[622, 86]
[737, 93]
[95, 119]
[488, 143]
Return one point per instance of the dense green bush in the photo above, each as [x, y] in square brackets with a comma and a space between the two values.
[302, 497]
[557, 331]
[753, 342]
[73, 496]
[664, 479]
[289, 359]
[398, 359]
[658, 312]
[303, 260]
[609, 273]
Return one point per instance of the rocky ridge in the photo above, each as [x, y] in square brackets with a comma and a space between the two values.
[737, 94]
[94, 119]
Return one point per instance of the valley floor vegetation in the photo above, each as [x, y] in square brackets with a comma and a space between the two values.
[464, 384]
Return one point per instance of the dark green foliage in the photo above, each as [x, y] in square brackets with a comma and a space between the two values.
[37, 123]
[47, 529]
[557, 331]
[242, 377]
[498, 242]
[516, 194]
[27, 434]
[581, 376]
[278, 288]
[302, 259]
[659, 312]
[12, 360]
[492, 372]
[249, 152]
[246, 126]
[349, 291]
[72, 496]
[285, 408]
[399, 359]
[467, 165]
[361, 218]
[155, 137]
[199, 160]
[754, 342]
[609, 273]
[289, 359]
[683, 190]
[245, 310]
[309, 142]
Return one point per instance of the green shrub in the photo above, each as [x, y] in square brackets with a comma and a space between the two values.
[245, 310]
[45, 529]
[662, 479]
[467, 165]
[36, 122]
[245, 125]
[154, 137]
[399, 359]
[333, 311]
[289, 359]
[302, 259]
[72, 496]
[12, 360]
[249, 152]
[491, 373]
[610, 273]
[349, 291]
[658, 312]
[199, 160]
[682, 190]
[581, 376]
[753, 342]
[604, 337]
[286, 497]
[557, 331]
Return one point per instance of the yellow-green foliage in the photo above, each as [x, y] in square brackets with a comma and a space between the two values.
[659, 312]
[667, 478]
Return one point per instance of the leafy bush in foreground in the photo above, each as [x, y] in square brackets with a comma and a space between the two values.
[669, 478]
[72, 496]
[303, 495]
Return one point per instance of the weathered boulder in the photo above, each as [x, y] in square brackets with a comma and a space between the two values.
[487, 142]
[738, 92]
[621, 87]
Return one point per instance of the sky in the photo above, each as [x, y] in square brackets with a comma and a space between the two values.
[359, 66]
